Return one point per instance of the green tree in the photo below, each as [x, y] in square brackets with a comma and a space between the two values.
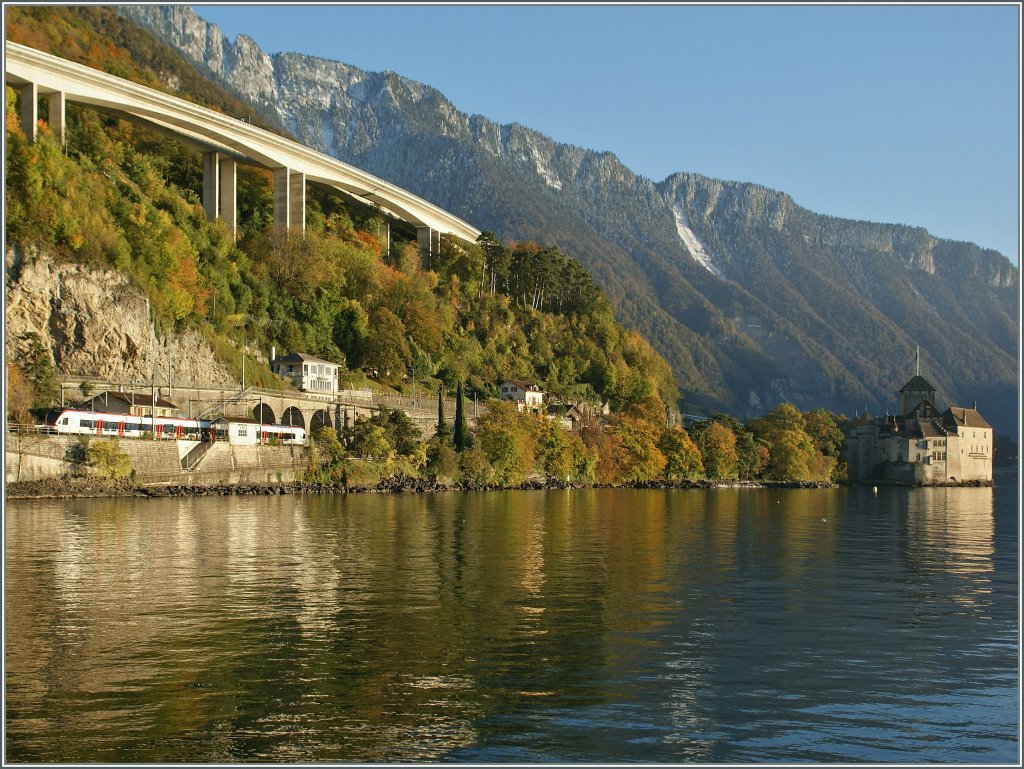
[327, 463]
[508, 441]
[105, 458]
[461, 432]
[369, 440]
[387, 349]
[824, 431]
[37, 367]
[442, 461]
[791, 454]
[443, 430]
[474, 467]
[560, 453]
[751, 454]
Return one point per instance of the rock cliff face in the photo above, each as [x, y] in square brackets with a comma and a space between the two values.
[750, 297]
[98, 326]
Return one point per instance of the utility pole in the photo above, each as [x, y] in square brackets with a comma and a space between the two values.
[152, 396]
[170, 391]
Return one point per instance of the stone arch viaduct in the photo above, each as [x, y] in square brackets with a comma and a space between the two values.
[224, 142]
[291, 407]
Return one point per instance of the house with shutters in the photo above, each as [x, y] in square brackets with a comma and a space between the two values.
[923, 444]
[308, 373]
[526, 395]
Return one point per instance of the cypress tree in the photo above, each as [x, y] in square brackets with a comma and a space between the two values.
[442, 425]
[460, 421]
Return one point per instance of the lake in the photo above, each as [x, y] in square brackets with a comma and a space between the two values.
[599, 625]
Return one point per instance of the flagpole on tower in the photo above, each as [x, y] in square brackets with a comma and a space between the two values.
[918, 360]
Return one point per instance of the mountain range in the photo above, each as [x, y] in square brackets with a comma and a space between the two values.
[751, 298]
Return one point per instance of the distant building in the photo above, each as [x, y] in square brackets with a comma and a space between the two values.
[136, 404]
[923, 445]
[526, 395]
[308, 373]
[573, 415]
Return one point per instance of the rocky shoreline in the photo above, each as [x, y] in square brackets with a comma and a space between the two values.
[79, 487]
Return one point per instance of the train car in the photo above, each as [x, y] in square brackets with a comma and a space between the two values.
[289, 434]
[78, 422]
[101, 423]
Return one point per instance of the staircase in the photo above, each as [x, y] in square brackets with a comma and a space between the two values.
[191, 460]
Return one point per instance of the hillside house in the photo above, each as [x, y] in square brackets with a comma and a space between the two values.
[308, 373]
[136, 404]
[527, 396]
[924, 445]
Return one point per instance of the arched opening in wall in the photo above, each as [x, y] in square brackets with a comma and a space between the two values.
[293, 417]
[264, 414]
[321, 418]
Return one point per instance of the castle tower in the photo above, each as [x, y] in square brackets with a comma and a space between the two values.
[916, 390]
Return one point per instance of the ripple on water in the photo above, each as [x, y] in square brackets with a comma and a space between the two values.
[589, 626]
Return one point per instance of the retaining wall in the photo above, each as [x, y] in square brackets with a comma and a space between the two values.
[32, 457]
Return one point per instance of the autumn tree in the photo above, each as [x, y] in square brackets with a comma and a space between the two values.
[641, 459]
[610, 457]
[717, 444]
[682, 457]
[828, 440]
[19, 394]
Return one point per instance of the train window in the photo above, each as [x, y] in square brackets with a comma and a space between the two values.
[86, 423]
[64, 421]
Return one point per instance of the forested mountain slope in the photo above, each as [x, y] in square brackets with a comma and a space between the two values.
[750, 297]
[123, 204]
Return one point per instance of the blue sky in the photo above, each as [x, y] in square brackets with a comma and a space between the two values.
[901, 114]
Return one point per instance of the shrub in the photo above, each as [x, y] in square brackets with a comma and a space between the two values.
[105, 459]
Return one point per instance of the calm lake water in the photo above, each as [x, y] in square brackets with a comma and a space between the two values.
[721, 626]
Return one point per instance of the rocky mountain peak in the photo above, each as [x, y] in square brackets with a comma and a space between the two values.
[751, 297]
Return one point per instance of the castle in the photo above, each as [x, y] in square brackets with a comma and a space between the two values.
[921, 445]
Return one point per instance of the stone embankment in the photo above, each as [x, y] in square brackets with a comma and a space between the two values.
[59, 488]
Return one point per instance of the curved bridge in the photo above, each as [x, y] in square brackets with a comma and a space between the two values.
[224, 141]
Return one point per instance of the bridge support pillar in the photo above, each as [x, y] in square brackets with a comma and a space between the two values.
[29, 94]
[56, 116]
[297, 204]
[220, 189]
[289, 201]
[229, 194]
[211, 184]
[429, 241]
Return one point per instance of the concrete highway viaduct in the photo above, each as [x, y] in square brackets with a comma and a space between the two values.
[224, 142]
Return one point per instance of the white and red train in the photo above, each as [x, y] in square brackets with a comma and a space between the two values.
[78, 422]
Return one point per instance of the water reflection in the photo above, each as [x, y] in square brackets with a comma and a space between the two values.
[595, 625]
